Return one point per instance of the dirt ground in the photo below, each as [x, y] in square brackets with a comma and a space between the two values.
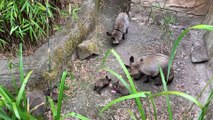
[143, 37]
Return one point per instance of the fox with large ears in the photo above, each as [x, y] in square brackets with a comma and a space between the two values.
[120, 28]
[148, 66]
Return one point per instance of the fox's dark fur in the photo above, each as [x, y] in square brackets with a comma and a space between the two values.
[148, 66]
[101, 84]
[120, 88]
[120, 28]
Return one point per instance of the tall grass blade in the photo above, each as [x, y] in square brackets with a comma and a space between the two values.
[3, 115]
[178, 40]
[13, 29]
[22, 89]
[206, 106]
[73, 114]
[60, 97]
[52, 106]
[26, 116]
[119, 77]
[174, 49]
[136, 95]
[203, 27]
[138, 101]
[10, 67]
[201, 93]
[165, 89]
[153, 105]
[15, 110]
[21, 63]
[5, 96]
[8, 93]
[132, 115]
[190, 98]
[107, 53]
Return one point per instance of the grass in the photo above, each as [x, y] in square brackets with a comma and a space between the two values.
[23, 20]
[16, 106]
[57, 112]
[29, 21]
[132, 90]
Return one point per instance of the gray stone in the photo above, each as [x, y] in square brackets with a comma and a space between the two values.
[198, 52]
[87, 49]
[37, 102]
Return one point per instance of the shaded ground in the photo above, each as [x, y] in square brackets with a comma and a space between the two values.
[142, 38]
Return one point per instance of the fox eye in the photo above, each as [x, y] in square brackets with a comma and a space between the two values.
[113, 38]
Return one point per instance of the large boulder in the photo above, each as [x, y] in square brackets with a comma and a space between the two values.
[37, 102]
[87, 49]
[199, 52]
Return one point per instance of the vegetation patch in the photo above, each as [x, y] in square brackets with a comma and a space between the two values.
[29, 22]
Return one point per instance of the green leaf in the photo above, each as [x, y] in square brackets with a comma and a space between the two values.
[2, 5]
[41, 6]
[136, 95]
[33, 22]
[81, 117]
[119, 77]
[24, 6]
[138, 102]
[13, 29]
[206, 106]
[5, 96]
[174, 49]
[8, 93]
[190, 98]
[21, 91]
[153, 105]
[2, 43]
[107, 53]
[178, 40]
[3, 115]
[203, 27]
[60, 97]
[74, 12]
[16, 110]
[165, 89]
[21, 64]
[132, 115]
[52, 106]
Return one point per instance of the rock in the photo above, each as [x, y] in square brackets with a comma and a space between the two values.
[196, 7]
[87, 49]
[37, 102]
[199, 52]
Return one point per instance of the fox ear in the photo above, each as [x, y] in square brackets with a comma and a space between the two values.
[107, 77]
[131, 59]
[109, 34]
